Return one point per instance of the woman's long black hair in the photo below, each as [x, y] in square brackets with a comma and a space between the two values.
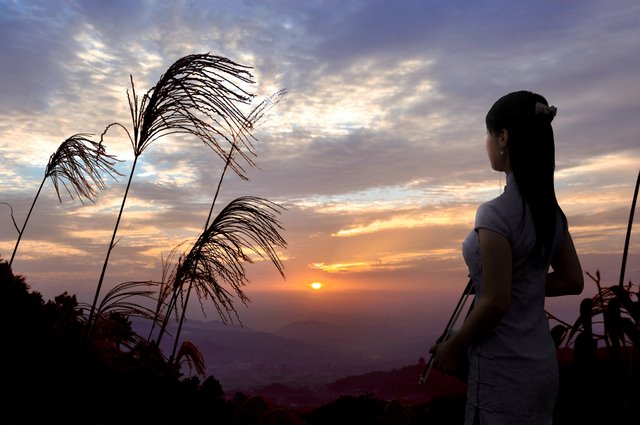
[531, 150]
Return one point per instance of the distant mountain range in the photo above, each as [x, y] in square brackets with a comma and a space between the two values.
[374, 341]
[301, 354]
[349, 336]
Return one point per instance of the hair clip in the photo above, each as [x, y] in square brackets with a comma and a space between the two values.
[542, 109]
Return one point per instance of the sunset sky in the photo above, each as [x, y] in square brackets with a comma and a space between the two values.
[377, 151]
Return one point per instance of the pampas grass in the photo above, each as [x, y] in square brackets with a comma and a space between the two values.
[123, 301]
[77, 167]
[189, 353]
[199, 95]
[214, 266]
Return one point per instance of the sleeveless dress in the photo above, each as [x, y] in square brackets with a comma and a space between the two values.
[513, 373]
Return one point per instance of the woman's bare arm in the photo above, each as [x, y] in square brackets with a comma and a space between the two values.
[490, 307]
[566, 278]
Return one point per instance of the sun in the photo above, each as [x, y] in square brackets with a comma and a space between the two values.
[316, 285]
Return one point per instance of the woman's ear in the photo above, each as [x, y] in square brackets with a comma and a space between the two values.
[503, 138]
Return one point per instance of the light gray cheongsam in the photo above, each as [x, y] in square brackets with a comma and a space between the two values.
[513, 374]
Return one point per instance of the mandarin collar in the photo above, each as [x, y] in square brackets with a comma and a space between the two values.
[511, 181]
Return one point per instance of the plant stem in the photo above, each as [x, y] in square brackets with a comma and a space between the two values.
[111, 244]
[206, 226]
[12, 217]
[182, 316]
[626, 240]
[215, 196]
[605, 326]
[15, 249]
[165, 321]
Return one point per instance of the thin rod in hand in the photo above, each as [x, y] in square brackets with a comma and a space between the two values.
[447, 331]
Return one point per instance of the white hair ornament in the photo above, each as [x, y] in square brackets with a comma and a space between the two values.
[542, 109]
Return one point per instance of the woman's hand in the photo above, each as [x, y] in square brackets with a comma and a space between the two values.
[448, 357]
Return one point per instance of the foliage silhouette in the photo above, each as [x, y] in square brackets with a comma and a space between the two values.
[601, 383]
[77, 166]
[199, 95]
[189, 353]
[216, 259]
[254, 118]
[620, 313]
[614, 381]
[56, 376]
[122, 301]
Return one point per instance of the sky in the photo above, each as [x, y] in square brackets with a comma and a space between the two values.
[376, 151]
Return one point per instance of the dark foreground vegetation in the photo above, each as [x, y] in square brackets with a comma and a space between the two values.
[52, 372]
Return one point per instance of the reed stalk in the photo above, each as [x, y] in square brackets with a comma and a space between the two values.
[77, 165]
[628, 235]
[253, 119]
[111, 243]
[199, 96]
[216, 259]
[26, 220]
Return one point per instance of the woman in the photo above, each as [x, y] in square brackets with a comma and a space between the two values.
[513, 370]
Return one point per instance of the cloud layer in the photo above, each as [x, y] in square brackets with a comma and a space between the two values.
[376, 152]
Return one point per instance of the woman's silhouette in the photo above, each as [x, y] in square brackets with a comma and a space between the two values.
[513, 370]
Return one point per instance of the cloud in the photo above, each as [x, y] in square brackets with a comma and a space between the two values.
[377, 150]
[389, 262]
[35, 42]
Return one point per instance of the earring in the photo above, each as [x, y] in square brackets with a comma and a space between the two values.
[501, 152]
